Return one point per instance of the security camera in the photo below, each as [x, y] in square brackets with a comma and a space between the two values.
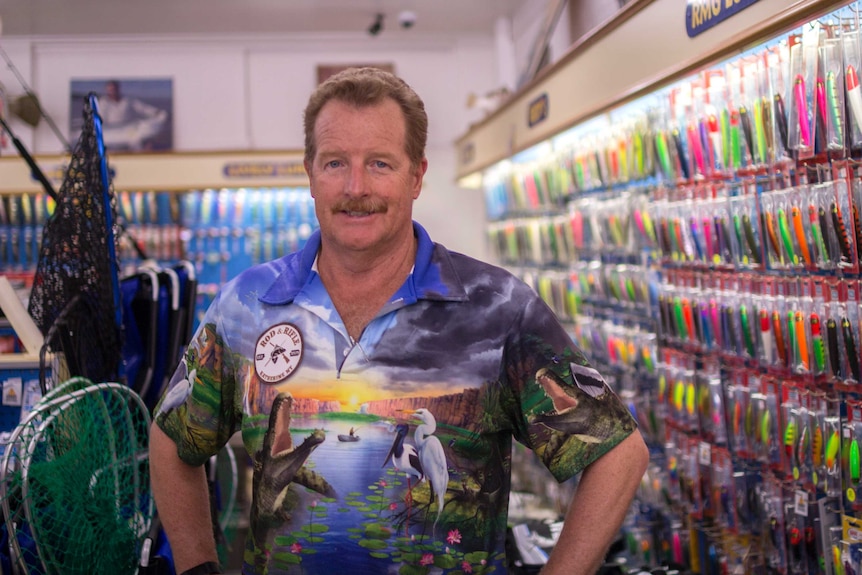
[407, 19]
[377, 25]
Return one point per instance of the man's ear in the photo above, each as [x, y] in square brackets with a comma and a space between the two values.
[419, 175]
[307, 165]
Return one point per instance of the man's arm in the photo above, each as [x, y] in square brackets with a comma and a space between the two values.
[597, 510]
[182, 502]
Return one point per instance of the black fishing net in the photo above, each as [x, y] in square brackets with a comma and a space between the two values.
[73, 300]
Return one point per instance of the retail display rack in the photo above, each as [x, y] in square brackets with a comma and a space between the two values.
[694, 217]
[223, 211]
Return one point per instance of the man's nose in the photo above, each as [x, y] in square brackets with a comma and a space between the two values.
[357, 181]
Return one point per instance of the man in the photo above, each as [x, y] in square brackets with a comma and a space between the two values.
[374, 322]
[128, 123]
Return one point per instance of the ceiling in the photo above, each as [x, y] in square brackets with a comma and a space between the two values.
[147, 17]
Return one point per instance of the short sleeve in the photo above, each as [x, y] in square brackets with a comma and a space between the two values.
[568, 416]
[199, 409]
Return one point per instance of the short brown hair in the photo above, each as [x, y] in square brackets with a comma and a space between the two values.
[366, 87]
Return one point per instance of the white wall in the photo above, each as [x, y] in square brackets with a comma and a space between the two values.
[238, 93]
[527, 25]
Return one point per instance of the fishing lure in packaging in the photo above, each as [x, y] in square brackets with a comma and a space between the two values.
[784, 230]
[735, 144]
[781, 121]
[817, 344]
[817, 446]
[850, 347]
[832, 446]
[766, 338]
[780, 349]
[854, 95]
[789, 438]
[799, 230]
[835, 108]
[803, 445]
[801, 341]
[747, 338]
[745, 121]
[769, 225]
[824, 228]
[817, 233]
[753, 248]
[832, 342]
[840, 231]
[857, 230]
[820, 120]
[680, 152]
[853, 461]
[802, 110]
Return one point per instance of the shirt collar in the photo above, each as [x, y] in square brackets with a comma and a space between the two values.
[433, 276]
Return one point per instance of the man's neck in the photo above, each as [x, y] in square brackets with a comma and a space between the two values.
[359, 286]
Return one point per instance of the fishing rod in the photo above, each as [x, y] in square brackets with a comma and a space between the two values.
[34, 168]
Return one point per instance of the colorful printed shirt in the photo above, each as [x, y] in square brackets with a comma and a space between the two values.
[390, 454]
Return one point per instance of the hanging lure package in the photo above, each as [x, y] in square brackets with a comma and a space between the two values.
[645, 239]
[764, 421]
[852, 53]
[750, 114]
[725, 231]
[769, 351]
[723, 492]
[772, 523]
[817, 411]
[814, 89]
[851, 458]
[844, 231]
[838, 365]
[818, 346]
[823, 237]
[849, 330]
[665, 150]
[738, 152]
[714, 108]
[680, 108]
[776, 254]
[717, 422]
[791, 231]
[782, 331]
[802, 471]
[747, 313]
[746, 232]
[761, 113]
[778, 70]
[831, 108]
[790, 419]
[697, 134]
[855, 185]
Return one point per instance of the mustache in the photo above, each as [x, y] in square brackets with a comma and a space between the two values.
[363, 205]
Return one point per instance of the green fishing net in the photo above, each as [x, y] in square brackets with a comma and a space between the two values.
[75, 489]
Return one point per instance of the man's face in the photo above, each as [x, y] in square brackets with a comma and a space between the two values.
[361, 177]
[112, 91]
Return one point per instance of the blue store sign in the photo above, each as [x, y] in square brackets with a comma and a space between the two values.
[702, 15]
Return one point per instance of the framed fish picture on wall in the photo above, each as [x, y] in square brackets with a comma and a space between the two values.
[137, 113]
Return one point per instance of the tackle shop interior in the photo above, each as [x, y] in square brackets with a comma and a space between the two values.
[680, 182]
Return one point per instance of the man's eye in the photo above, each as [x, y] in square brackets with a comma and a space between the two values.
[380, 164]
[333, 164]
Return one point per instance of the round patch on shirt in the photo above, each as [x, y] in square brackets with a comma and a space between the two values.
[277, 353]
